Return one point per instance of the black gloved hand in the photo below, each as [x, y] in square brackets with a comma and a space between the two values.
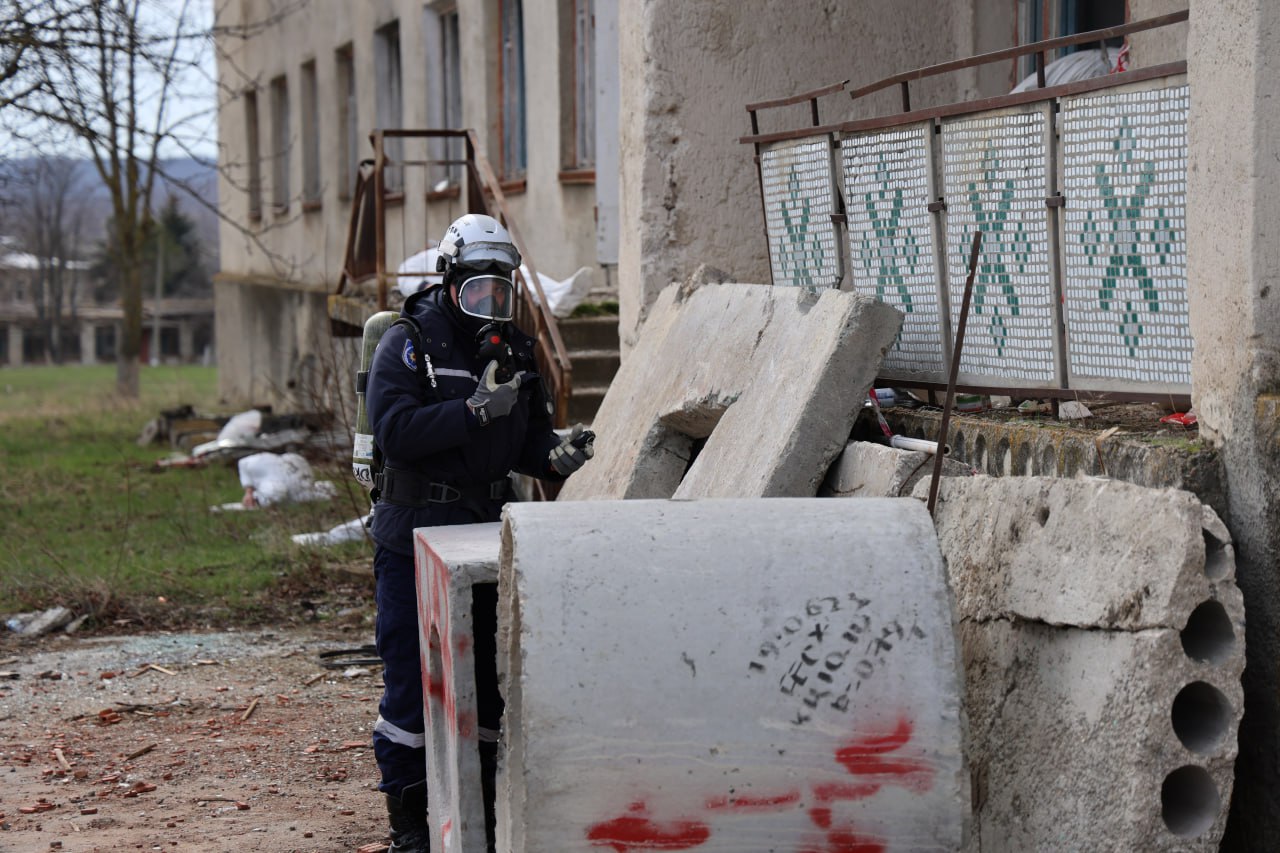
[573, 452]
[494, 399]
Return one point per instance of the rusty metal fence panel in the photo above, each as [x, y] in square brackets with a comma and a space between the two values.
[1124, 238]
[799, 197]
[889, 185]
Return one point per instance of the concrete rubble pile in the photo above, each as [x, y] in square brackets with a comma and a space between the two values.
[1055, 665]
[772, 379]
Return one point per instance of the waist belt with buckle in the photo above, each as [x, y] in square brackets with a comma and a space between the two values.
[406, 488]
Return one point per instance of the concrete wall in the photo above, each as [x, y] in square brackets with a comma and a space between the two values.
[689, 189]
[300, 250]
[1233, 220]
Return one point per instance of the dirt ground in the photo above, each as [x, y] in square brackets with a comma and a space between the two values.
[232, 741]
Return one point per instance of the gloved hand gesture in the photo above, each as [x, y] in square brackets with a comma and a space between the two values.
[494, 399]
[573, 452]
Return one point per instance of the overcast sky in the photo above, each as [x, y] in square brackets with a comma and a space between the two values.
[193, 110]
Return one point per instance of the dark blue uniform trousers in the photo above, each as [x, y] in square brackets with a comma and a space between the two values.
[399, 743]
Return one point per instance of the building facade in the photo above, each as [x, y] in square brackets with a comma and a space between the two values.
[307, 83]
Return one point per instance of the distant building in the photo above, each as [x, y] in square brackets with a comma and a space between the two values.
[89, 329]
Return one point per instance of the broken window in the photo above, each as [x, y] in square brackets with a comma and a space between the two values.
[311, 187]
[390, 101]
[280, 144]
[348, 126]
[1038, 20]
[253, 154]
[514, 153]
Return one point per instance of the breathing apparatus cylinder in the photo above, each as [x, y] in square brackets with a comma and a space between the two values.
[362, 451]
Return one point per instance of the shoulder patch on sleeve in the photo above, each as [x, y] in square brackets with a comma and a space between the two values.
[408, 356]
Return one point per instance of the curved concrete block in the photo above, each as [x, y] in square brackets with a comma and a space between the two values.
[772, 378]
[1103, 643]
[727, 675]
[449, 563]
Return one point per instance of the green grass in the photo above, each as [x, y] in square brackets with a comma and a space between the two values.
[87, 520]
[608, 308]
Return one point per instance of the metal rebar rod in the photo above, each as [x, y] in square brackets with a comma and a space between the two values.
[955, 368]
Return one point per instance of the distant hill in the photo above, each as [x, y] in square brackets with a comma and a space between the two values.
[186, 174]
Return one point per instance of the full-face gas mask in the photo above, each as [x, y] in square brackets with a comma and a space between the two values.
[478, 258]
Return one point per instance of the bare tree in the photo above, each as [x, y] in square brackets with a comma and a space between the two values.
[51, 214]
[110, 73]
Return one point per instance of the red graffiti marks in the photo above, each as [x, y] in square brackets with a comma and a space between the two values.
[636, 831]
[867, 757]
[752, 805]
[873, 760]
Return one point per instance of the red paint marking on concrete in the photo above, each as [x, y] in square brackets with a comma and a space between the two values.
[740, 803]
[865, 757]
[466, 724]
[848, 841]
[463, 643]
[635, 831]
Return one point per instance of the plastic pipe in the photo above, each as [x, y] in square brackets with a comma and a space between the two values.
[902, 442]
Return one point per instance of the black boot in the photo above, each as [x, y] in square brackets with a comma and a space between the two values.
[407, 813]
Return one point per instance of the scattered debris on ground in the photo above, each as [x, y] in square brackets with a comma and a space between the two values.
[192, 741]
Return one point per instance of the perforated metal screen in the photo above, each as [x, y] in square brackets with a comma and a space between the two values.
[1124, 237]
[995, 175]
[888, 179]
[799, 198]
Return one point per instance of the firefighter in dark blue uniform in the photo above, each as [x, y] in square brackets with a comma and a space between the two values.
[448, 444]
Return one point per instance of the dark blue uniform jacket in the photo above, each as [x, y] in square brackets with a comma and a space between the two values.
[438, 438]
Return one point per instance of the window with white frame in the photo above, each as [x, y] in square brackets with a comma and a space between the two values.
[390, 100]
[253, 154]
[514, 152]
[280, 144]
[348, 121]
[310, 136]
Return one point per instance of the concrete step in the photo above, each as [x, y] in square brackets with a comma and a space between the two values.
[585, 402]
[594, 366]
[589, 333]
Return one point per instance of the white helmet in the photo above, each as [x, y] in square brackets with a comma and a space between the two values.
[478, 256]
[475, 241]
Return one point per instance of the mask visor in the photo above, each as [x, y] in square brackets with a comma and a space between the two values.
[487, 297]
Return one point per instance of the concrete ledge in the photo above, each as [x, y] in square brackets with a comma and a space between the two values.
[727, 675]
[1003, 448]
[1103, 644]
[449, 563]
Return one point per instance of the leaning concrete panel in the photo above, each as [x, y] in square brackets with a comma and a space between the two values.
[449, 562]
[1103, 641]
[772, 378]
[727, 675]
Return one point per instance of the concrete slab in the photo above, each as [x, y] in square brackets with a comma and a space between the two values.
[771, 378]
[795, 688]
[1103, 643]
[868, 470]
[450, 562]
